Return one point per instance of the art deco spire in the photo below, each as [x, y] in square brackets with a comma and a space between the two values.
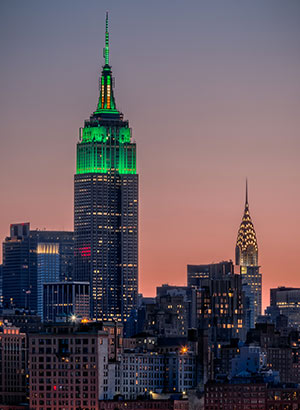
[246, 251]
[106, 103]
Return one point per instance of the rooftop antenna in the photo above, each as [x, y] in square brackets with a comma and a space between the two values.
[106, 48]
[246, 203]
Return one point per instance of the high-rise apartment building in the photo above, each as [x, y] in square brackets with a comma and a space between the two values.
[32, 258]
[106, 206]
[246, 256]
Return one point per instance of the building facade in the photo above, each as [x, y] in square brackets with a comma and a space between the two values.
[144, 405]
[149, 372]
[219, 301]
[228, 396]
[246, 256]
[68, 367]
[106, 207]
[255, 396]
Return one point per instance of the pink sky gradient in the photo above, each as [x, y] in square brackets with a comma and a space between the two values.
[212, 93]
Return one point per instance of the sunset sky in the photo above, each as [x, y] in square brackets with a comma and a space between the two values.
[212, 92]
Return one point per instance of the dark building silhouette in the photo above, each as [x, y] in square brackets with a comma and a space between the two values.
[196, 273]
[106, 207]
[173, 311]
[282, 349]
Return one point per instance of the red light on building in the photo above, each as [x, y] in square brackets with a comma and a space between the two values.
[85, 251]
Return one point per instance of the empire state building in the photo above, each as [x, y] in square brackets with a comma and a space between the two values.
[106, 206]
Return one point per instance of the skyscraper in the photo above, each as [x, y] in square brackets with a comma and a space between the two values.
[32, 258]
[246, 256]
[106, 206]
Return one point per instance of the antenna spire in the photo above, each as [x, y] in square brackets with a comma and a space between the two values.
[246, 202]
[106, 49]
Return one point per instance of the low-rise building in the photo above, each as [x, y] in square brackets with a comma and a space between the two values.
[240, 396]
[68, 367]
[143, 373]
[251, 395]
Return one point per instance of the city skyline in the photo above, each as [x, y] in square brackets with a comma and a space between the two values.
[191, 192]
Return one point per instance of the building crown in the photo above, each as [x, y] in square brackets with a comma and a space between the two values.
[246, 244]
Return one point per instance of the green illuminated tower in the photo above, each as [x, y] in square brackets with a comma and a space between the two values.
[106, 206]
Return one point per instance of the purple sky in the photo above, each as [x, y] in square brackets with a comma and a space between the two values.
[212, 92]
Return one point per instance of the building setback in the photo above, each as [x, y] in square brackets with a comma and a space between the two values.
[106, 207]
